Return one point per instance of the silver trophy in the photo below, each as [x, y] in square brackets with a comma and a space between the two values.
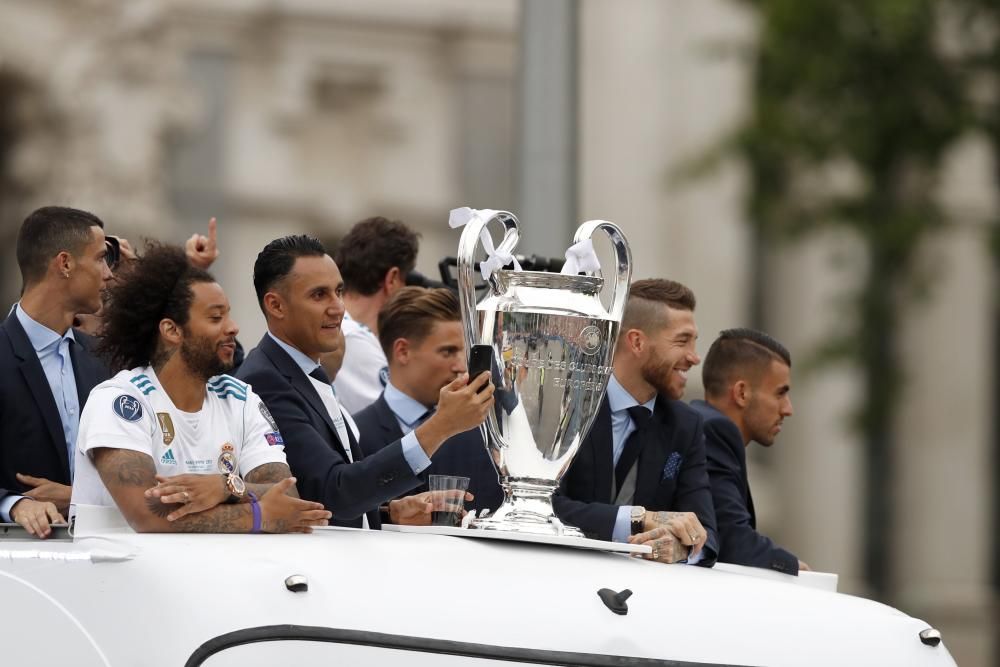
[552, 341]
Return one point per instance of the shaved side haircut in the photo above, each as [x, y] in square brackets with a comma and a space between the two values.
[740, 354]
[412, 312]
[644, 310]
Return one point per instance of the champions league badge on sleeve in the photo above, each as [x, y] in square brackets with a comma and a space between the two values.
[128, 408]
[274, 439]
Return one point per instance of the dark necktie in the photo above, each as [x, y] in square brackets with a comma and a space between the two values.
[319, 374]
[630, 453]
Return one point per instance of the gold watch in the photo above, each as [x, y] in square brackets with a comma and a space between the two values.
[236, 486]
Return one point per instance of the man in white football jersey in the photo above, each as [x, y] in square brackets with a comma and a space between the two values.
[173, 442]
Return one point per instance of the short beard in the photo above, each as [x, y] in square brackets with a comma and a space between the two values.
[202, 358]
[658, 376]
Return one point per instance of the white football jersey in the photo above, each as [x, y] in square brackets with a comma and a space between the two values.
[232, 431]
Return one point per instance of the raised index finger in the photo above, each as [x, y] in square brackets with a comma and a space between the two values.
[212, 226]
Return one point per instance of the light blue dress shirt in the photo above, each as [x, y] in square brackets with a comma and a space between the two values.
[407, 410]
[622, 426]
[57, 364]
[412, 451]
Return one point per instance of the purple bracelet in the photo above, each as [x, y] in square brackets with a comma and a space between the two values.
[255, 508]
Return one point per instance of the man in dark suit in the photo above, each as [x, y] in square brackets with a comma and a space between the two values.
[747, 378]
[640, 473]
[46, 367]
[300, 290]
[420, 331]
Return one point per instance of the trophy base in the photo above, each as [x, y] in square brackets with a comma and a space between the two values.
[527, 508]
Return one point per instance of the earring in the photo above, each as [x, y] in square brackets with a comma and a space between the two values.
[65, 274]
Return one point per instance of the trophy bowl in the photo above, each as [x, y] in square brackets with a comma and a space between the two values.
[552, 340]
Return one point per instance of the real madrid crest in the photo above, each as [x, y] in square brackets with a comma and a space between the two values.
[167, 426]
[227, 459]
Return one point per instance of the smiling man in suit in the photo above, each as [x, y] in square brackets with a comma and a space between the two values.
[300, 290]
[421, 332]
[46, 367]
[640, 474]
[747, 378]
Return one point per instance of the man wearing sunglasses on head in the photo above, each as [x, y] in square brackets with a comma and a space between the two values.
[46, 366]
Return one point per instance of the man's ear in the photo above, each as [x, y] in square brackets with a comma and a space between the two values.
[401, 351]
[171, 332]
[740, 393]
[274, 306]
[393, 280]
[63, 263]
[635, 341]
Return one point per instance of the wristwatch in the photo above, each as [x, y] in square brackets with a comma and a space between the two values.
[236, 486]
[638, 517]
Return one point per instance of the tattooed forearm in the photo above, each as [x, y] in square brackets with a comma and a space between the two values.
[260, 479]
[124, 467]
[219, 519]
[159, 508]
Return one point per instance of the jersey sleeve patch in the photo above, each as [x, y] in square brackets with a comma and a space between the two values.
[127, 407]
[274, 438]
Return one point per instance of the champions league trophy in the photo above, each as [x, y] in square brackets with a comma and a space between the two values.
[552, 341]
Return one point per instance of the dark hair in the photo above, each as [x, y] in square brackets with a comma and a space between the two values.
[47, 232]
[277, 258]
[370, 249]
[645, 297]
[154, 287]
[746, 351]
[411, 313]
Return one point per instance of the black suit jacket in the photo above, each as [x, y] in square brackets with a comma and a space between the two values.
[671, 474]
[739, 541]
[315, 454]
[464, 454]
[31, 432]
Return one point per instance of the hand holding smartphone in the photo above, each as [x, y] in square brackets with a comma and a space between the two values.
[480, 359]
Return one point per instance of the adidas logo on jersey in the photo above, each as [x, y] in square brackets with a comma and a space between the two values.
[168, 458]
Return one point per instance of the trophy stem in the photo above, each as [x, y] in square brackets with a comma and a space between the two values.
[527, 508]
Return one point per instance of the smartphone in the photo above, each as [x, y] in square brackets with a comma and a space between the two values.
[480, 359]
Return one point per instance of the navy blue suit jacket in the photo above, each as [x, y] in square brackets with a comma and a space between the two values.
[31, 432]
[740, 543]
[671, 475]
[316, 456]
[464, 454]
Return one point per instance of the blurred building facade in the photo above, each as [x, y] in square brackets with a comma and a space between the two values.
[306, 116]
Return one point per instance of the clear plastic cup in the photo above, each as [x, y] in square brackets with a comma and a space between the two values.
[448, 498]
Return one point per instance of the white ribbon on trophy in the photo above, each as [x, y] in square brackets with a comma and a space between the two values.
[495, 260]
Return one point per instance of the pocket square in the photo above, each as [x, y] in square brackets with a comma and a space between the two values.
[671, 467]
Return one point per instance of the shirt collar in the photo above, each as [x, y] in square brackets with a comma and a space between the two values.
[40, 336]
[298, 356]
[619, 399]
[406, 408]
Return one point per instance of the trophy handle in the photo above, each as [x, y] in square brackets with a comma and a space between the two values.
[467, 265]
[623, 255]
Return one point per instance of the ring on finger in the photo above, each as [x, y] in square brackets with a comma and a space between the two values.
[187, 497]
[694, 537]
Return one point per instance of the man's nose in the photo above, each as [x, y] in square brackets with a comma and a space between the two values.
[787, 411]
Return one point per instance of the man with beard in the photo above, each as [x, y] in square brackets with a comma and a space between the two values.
[300, 291]
[640, 474]
[175, 443]
[747, 378]
[46, 366]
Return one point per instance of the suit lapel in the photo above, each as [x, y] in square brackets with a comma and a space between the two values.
[87, 376]
[603, 450]
[387, 420]
[287, 367]
[38, 385]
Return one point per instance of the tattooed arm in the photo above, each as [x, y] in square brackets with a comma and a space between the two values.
[128, 474]
[260, 479]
